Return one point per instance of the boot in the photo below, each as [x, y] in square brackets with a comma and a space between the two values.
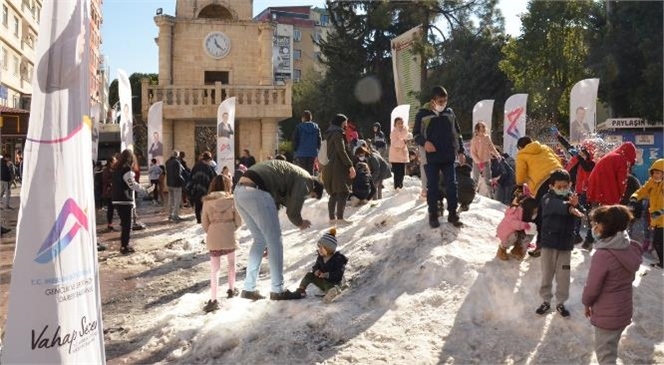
[433, 220]
[518, 251]
[502, 253]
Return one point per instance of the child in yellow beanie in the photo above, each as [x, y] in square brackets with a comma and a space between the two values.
[328, 271]
[653, 190]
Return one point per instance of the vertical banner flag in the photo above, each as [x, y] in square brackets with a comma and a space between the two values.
[155, 123]
[402, 111]
[582, 110]
[94, 117]
[226, 134]
[407, 70]
[514, 125]
[54, 314]
[126, 113]
[482, 111]
[282, 54]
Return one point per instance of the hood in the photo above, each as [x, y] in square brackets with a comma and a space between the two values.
[657, 165]
[309, 127]
[620, 244]
[628, 150]
[533, 148]
[331, 130]
[216, 195]
[378, 126]
[338, 256]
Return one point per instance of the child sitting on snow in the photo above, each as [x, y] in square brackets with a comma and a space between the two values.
[363, 184]
[328, 271]
[517, 228]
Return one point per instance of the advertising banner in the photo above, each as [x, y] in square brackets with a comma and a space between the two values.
[482, 111]
[226, 134]
[126, 113]
[514, 125]
[282, 54]
[155, 123]
[406, 65]
[582, 110]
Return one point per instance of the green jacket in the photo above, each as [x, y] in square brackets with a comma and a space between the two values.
[335, 173]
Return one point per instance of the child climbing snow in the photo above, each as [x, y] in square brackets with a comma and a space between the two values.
[517, 228]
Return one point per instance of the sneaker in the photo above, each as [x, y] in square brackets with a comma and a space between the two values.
[127, 250]
[560, 308]
[253, 295]
[285, 295]
[301, 292]
[537, 252]
[331, 294]
[433, 221]
[343, 222]
[211, 306]
[101, 247]
[232, 293]
[454, 219]
[543, 308]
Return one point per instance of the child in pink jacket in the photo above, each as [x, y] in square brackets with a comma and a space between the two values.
[517, 228]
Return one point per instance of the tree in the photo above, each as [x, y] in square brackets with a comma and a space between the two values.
[549, 57]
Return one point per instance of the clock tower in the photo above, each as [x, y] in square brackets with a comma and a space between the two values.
[209, 51]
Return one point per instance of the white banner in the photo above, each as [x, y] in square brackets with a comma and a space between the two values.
[482, 112]
[155, 125]
[514, 124]
[226, 134]
[54, 314]
[407, 70]
[582, 110]
[126, 113]
[402, 111]
[95, 110]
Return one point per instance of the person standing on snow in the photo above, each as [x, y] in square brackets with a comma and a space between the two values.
[306, 142]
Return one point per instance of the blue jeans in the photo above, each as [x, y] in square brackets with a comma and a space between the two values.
[259, 212]
[433, 170]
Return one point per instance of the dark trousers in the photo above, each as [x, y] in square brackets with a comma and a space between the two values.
[433, 170]
[338, 201]
[399, 170]
[155, 192]
[306, 163]
[198, 208]
[658, 243]
[543, 189]
[109, 211]
[124, 211]
[322, 284]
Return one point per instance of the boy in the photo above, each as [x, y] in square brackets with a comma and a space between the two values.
[559, 210]
[653, 191]
[328, 271]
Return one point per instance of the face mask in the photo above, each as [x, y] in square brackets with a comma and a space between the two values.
[361, 158]
[596, 236]
[561, 192]
[439, 108]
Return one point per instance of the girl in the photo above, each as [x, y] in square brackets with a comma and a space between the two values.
[517, 228]
[124, 185]
[220, 220]
[481, 150]
[399, 151]
[607, 295]
[653, 190]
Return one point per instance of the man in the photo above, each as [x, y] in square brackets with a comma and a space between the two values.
[175, 182]
[437, 130]
[259, 193]
[247, 159]
[224, 129]
[156, 150]
[306, 142]
[5, 181]
[579, 129]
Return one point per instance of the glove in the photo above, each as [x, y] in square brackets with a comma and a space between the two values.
[532, 229]
[637, 209]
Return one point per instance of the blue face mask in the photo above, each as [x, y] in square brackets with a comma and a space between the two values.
[595, 235]
[561, 192]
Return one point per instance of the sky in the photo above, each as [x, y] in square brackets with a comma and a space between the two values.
[128, 31]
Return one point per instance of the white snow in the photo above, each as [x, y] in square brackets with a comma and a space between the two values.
[417, 296]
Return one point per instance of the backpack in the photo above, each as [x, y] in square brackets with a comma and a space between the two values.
[322, 153]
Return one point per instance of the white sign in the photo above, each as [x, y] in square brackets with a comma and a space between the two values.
[644, 139]
[126, 113]
[226, 134]
[155, 145]
[482, 112]
[624, 123]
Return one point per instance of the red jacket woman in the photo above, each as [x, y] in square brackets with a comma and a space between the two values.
[607, 181]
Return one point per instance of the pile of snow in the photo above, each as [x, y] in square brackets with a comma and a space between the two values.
[416, 295]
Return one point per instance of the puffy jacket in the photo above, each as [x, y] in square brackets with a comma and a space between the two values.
[608, 180]
[380, 169]
[583, 168]
[336, 173]
[220, 220]
[608, 289]
[511, 223]
[466, 187]
[174, 173]
[481, 148]
[654, 192]
[398, 145]
[306, 139]
[534, 164]
[557, 222]
[363, 184]
[379, 137]
[335, 267]
[442, 130]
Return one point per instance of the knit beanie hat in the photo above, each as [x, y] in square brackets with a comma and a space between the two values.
[329, 241]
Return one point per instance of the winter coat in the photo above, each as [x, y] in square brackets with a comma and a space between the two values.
[534, 164]
[107, 183]
[379, 137]
[633, 184]
[442, 130]
[220, 220]
[363, 184]
[608, 289]
[201, 176]
[336, 176]
[399, 146]
[583, 168]
[557, 222]
[306, 139]
[174, 173]
[335, 267]
[654, 192]
[380, 169]
[466, 187]
[607, 181]
[481, 148]
[503, 171]
[512, 222]
[288, 184]
[247, 161]
[5, 171]
[123, 186]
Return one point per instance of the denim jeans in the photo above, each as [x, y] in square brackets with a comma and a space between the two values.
[259, 212]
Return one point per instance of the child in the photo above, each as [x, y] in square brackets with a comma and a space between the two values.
[154, 173]
[653, 190]
[559, 210]
[329, 269]
[607, 295]
[502, 177]
[466, 187]
[398, 155]
[220, 220]
[517, 228]
[363, 184]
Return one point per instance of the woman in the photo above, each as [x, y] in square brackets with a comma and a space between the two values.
[399, 151]
[481, 150]
[124, 185]
[339, 171]
[201, 176]
[607, 296]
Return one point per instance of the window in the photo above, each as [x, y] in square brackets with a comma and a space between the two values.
[297, 74]
[16, 26]
[5, 16]
[15, 66]
[297, 35]
[5, 58]
[324, 20]
[297, 54]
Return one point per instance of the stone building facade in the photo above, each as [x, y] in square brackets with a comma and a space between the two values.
[194, 78]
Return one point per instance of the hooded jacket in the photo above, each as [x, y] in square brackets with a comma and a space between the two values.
[608, 289]
[511, 223]
[399, 146]
[306, 139]
[608, 180]
[481, 148]
[557, 222]
[335, 267]
[442, 130]
[379, 137]
[534, 164]
[220, 220]
[654, 192]
[583, 168]
[363, 184]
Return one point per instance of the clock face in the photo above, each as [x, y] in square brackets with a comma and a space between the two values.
[217, 45]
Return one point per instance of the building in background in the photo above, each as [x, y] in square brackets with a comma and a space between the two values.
[298, 31]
